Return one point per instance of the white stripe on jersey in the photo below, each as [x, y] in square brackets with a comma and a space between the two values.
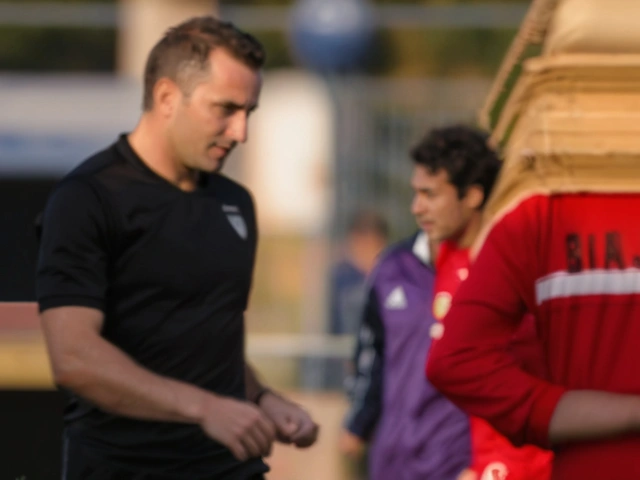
[588, 282]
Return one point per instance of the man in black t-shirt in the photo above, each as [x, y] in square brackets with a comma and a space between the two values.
[144, 272]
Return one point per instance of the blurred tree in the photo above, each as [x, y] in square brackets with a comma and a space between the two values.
[440, 52]
[381, 2]
[416, 52]
[58, 1]
[50, 49]
[411, 52]
[405, 52]
[57, 49]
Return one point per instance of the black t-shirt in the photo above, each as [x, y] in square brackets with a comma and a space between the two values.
[171, 270]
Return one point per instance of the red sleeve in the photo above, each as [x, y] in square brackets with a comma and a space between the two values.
[471, 364]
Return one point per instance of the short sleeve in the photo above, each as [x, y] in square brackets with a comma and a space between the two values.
[73, 254]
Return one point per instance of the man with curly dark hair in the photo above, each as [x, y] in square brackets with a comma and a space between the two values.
[410, 430]
[459, 169]
[454, 171]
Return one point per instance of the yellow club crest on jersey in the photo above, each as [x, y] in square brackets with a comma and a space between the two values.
[441, 305]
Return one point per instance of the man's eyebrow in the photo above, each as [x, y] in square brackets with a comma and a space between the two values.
[234, 105]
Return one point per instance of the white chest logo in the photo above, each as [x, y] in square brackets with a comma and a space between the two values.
[436, 331]
[463, 273]
[235, 219]
[396, 300]
[495, 471]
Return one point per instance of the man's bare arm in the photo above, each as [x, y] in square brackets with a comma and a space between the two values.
[82, 361]
[592, 415]
[87, 364]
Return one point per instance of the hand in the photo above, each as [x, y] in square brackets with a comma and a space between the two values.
[293, 424]
[351, 445]
[240, 426]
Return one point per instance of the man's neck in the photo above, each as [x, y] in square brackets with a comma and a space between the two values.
[151, 146]
[468, 236]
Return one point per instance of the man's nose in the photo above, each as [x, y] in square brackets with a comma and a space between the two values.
[418, 205]
[237, 130]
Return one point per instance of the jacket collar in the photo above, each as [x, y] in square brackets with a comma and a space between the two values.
[421, 248]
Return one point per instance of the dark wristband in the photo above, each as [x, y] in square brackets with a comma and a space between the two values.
[260, 394]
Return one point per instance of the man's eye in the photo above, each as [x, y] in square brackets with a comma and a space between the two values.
[225, 110]
[229, 109]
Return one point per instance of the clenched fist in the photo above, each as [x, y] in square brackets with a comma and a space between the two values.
[240, 426]
[293, 423]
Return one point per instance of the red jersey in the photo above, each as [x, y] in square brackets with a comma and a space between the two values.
[493, 456]
[574, 261]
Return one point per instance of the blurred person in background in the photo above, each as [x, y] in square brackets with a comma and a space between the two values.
[411, 430]
[145, 266]
[572, 260]
[367, 236]
[455, 170]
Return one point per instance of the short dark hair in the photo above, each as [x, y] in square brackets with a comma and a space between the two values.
[367, 222]
[183, 53]
[464, 153]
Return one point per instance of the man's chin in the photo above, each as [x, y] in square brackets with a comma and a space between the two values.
[218, 167]
[212, 165]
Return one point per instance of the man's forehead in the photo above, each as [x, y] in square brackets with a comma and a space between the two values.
[244, 92]
[223, 63]
[425, 175]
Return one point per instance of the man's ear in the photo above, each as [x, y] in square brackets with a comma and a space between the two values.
[474, 197]
[165, 96]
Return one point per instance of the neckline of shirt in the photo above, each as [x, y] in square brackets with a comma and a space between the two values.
[124, 148]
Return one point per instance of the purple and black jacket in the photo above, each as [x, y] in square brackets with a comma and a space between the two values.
[415, 433]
